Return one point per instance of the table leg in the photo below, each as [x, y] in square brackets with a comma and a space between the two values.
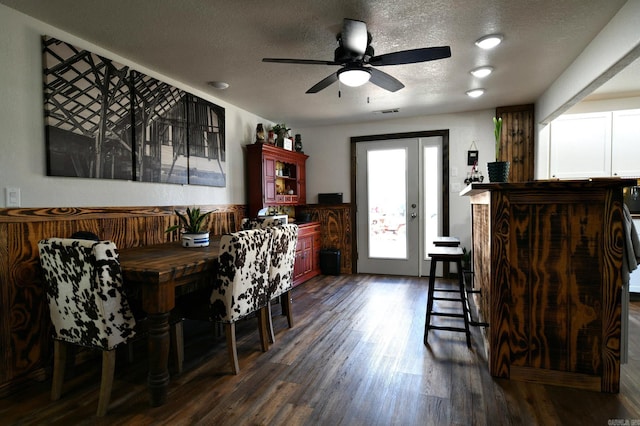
[158, 342]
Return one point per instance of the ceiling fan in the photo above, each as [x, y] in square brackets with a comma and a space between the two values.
[354, 53]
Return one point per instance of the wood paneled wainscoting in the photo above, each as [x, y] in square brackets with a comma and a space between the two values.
[337, 230]
[25, 343]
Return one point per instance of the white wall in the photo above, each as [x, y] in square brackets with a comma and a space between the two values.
[329, 169]
[22, 146]
[616, 46]
[23, 161]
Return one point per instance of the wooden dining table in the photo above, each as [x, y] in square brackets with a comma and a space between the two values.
[156, 273]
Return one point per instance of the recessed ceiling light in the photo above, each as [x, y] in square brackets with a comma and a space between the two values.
[475, 93]
[489, 42]
[481, 72]
[220, 85]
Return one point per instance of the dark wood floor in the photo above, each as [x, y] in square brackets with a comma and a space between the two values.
[354, 357]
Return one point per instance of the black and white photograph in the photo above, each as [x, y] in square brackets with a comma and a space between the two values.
[160, 131]
[87, 104]
[104, 120]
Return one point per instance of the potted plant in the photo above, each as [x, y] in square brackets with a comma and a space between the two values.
[280, 131]
[194, 233]
[498, 170]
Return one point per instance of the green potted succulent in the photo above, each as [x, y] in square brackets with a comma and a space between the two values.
[192, 223]
[498, 170]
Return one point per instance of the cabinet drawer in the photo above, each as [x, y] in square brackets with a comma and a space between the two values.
[285, 198]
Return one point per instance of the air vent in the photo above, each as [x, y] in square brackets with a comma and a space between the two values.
[389, 111]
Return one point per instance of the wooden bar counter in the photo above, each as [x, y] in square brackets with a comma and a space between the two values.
[547, 257]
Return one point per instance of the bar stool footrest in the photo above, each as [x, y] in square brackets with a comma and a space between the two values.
[448, 299]
[446, 314]
[441, 327]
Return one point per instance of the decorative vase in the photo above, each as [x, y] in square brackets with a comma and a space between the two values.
[498, 171]
[280, 138]
[259, 133]
[195, 240]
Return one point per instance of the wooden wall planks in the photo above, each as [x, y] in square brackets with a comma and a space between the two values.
[337, 230]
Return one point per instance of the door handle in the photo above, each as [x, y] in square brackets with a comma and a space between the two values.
[414, 215]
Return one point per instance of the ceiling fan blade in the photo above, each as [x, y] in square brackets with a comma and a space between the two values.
[300, 61]
[324, 83]
[384, 80]
[412, 56]
[354, 36]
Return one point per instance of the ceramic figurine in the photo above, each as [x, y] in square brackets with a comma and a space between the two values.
[260, 133]
[298, 143]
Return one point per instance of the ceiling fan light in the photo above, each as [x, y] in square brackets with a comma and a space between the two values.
[354, 77]
[481, 72]
[475, 93]
[489, 41]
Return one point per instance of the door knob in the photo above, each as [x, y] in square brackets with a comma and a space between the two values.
[414, 215]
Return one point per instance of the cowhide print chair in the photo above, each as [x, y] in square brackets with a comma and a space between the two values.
[283, 257]
[241, 285]
[260, 223]
[87, 305]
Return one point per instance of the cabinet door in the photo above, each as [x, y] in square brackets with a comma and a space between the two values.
[581, 146]
[269, 179]
[300, 267]
[625, 143]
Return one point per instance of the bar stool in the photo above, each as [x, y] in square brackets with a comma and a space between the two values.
[447, 254]
[446, 242]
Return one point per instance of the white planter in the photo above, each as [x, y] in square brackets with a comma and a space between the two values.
[195, 240]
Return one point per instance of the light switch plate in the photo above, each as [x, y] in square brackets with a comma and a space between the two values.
[12, 197]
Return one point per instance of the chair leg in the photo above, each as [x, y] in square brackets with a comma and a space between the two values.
[59, 364]
[108, 368]
[263, 319]
[285, 299]
[432, 283]
[272, 336]
[177, 345]
[130, 352]
[230, 332]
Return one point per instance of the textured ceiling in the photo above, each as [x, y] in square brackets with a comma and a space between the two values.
[196, 41]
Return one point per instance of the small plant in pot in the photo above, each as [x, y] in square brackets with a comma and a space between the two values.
[192, 223]
[280, 131]
[498, 170]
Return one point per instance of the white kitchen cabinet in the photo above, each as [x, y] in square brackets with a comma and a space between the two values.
[581, 146]
[625, 147]
[601, 144]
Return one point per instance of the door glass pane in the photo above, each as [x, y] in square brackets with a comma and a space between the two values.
[386, 188]
[431, 196]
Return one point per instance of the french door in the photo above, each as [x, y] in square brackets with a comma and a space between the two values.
[399, 204]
